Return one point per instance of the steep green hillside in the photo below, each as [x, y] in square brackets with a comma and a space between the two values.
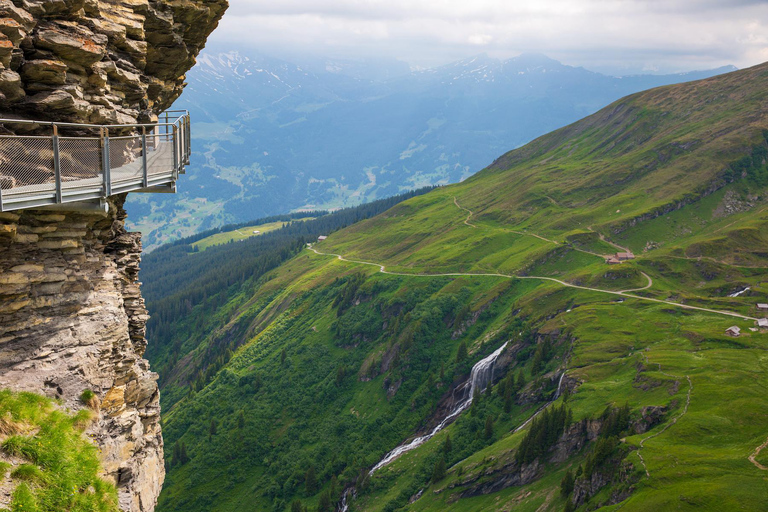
[637, 396]
[192, 294]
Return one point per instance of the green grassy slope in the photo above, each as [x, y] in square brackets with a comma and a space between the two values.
[239, 234]
[338, 362]
[46, 463]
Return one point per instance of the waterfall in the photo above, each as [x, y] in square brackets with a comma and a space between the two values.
[479, 379]
[344, 506]
[739, 292]
[541, 409]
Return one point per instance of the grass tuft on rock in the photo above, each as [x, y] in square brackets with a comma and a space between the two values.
[61, 467]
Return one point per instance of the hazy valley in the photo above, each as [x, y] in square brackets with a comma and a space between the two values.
[271, 136]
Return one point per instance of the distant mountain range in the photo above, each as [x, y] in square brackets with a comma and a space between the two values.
[270, 136]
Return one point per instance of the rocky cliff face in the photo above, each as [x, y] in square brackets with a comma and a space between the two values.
[71, 313]
[72, 318]
[99, 61]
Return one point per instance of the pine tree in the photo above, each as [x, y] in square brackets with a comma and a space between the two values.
[241, 420]
[324, 505]
[184, 457]
[283, 355]
[296, 506]
[447, 446]
[488, 427]
[538, 361]
[341, 372]
[439, 472]
[508, 404]
[176, 457]
[212, 429]
[462, 353]
[566, 484]
[310, 480]
[508, 390]
[334, 487]
[475, 402]
[520, 382]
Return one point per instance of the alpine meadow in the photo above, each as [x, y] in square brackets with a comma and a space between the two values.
[557, 327]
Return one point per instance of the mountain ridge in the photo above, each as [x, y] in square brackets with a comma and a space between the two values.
[279, 138]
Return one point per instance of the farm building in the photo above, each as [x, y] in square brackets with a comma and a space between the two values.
[733, 331]
[623, 256]
[762, 307]
[612, 261]
[321, 238]
[762, 322]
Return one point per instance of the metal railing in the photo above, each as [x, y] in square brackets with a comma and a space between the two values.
[43, 170]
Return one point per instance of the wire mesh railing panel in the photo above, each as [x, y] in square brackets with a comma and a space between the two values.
[40, 170]
[26, 165]
[80, 162]
[125, 160]
[160, 161]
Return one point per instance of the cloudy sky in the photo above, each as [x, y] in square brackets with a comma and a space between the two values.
[603, 35]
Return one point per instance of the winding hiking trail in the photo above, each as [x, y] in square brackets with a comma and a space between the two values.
[650, 283]
[674, 420]
[753, 458]
[469, 216]
[470, 213]
[624, 293]
[602, 238]
[383, 270]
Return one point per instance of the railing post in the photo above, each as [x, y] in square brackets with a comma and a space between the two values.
[175, 145]
[105, 162]
[56, 162]
[1, 199]
[189, 137]
[144, 169]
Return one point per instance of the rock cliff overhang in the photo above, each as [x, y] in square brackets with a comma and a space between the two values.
[99, 61]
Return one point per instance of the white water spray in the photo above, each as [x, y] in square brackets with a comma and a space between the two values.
[479, 378]
[739, 292]
[541, 409]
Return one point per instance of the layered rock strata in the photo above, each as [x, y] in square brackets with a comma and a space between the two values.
[72, 319]
[71, 313]
[98, 61]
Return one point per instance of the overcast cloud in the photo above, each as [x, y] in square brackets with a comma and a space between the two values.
[607, 35]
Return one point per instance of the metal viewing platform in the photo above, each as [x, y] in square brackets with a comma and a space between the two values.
[44, 170]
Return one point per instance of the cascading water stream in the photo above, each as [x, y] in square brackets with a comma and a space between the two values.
[479, 379]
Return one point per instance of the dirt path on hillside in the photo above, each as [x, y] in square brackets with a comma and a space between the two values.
[753, 458]
[383, 270]
[469, 212]
[650, 283]
[674, 420]
[532, 234]
[602, 237]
